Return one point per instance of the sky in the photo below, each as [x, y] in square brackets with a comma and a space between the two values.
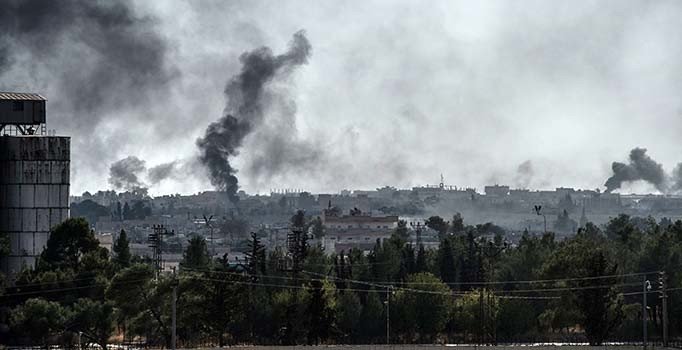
[536, 94]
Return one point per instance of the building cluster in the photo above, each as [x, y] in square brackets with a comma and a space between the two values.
[357, 219]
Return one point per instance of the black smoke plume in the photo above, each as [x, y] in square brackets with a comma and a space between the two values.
[245, 109]
[125, 174]
[640, 167]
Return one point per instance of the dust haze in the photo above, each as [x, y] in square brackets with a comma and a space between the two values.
[535, 95]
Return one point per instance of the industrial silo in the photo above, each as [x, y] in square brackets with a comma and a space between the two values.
[34, 178]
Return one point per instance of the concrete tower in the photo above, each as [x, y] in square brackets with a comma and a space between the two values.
[34, 178]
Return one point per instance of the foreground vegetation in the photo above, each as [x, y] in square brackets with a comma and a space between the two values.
[473, 288]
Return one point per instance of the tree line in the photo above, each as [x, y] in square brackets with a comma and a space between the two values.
[474, 288]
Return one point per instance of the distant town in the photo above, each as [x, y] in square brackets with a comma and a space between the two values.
[354, 219]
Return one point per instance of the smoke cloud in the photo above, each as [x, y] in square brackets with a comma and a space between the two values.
[163, 171]
[677, 178]
[119, 54]
[640, 167]
[125, 174]
[524, 174]
[245, 111]
[93, 60]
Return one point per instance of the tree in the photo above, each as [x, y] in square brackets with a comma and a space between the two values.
[622, 229]
[89, 210]
[321, 311]
[585, 258]
[564, 223]
[457, 225]
[196, 255]
[349, 315]
[142, 300]
[318, 228]
[214, 300]
[446, 261]
[427, 312]
[515, 318]
[67, 243]
[126, 212]
[474, 311]
[421, 264]
[471, 269]
[373, 320]
[255, 257]
[437, 224]
[407, 262]
[122, 250]
[38, 319]
[401, 231]
[601, 308]
[94, 319]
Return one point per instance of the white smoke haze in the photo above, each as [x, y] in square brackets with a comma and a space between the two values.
[396, 92]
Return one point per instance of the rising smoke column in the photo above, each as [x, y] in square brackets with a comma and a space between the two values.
[245, 109]
[125, 174]
[640, 167]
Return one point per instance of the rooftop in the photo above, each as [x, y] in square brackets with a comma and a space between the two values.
[21, 96]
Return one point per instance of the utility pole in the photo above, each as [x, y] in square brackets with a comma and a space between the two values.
[646, 286]
[173, 312]
[481, 318]
[538, 210]
[662, 279]
[388, 315]
[207, 221]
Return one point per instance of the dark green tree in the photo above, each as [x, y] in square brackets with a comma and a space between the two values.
[38, 319]
[586, 259]
[439, 225]
[457, 224]
[89, 210]
[421, 264]
[349, 316]
[426, 313]
[318, 228]
[372, 323]
[68, 242]
[255, 257]
[196, 255]
[94, 319]
[121, 250]
[446, 261]
[321, 312]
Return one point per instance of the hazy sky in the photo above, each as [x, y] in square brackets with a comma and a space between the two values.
[398, 92]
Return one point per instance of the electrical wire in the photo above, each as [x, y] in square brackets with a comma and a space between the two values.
[421, 291]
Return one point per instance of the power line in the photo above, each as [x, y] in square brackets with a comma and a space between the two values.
[385, 286]
[417, 291]
[67, 288]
